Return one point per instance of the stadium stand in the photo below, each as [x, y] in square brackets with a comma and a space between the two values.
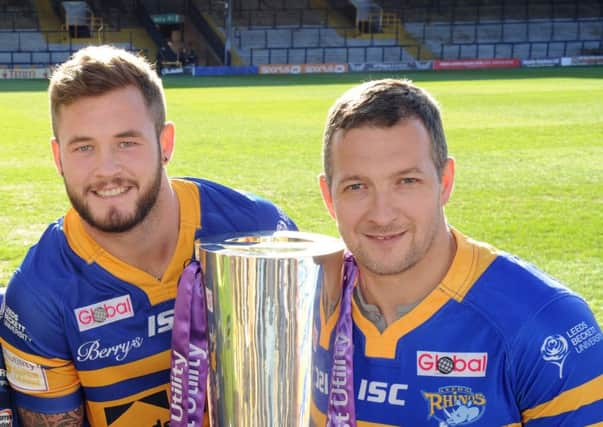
[301, 32]
[255, 32]
[41, 33]
[17, 15]
[284, 31]
[485, 29]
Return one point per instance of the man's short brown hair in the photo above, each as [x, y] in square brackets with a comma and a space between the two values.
[384, 103]
[96, 70]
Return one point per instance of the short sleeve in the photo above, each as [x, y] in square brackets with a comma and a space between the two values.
[35, 350]
[558, 365]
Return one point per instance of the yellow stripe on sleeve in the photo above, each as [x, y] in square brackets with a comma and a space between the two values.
[38, 376]
[39, 360]
[569, 400]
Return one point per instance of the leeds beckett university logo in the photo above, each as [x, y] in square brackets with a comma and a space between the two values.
[104, 312]
[555, 350]
[443, 364]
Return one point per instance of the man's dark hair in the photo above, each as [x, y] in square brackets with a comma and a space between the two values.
[384, 103]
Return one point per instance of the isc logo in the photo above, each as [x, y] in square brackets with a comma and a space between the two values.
[381, 392]
[161, 322]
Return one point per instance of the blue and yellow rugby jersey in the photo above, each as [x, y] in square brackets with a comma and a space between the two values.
[497, 343]
[8, 414]
[81, 326]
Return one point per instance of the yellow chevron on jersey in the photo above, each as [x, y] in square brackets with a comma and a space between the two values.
[384, 344]
[470, 261]
[567, 401]
[156, 290]
[32, 374]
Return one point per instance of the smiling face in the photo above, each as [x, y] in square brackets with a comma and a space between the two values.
[386, 195]
[107, 151]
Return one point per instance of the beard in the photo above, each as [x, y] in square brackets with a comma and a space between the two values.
[400, 262]
[419, 245]
[115, 221]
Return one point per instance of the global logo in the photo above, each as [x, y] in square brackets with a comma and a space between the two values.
[455, 405]
[444, 364]
[104, 312]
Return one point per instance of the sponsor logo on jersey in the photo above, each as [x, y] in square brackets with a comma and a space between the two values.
[382, 392]
[454, 405]
[369, 390]
[160, 322]
[149, 411]
[94, 350]
[6, 418]
[23, 374]
[12, 323]
[443, 364]
[104, 312]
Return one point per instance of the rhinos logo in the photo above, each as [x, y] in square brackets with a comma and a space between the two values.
[455, 405]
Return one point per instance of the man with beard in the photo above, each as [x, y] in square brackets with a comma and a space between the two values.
[88, 315]
[446, 331]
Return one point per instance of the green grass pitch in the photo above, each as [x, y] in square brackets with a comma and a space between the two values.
[528, 145]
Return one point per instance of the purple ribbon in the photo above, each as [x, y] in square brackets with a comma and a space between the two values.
[190, 362]
[342, 411]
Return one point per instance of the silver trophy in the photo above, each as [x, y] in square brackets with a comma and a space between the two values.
[262, 290]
